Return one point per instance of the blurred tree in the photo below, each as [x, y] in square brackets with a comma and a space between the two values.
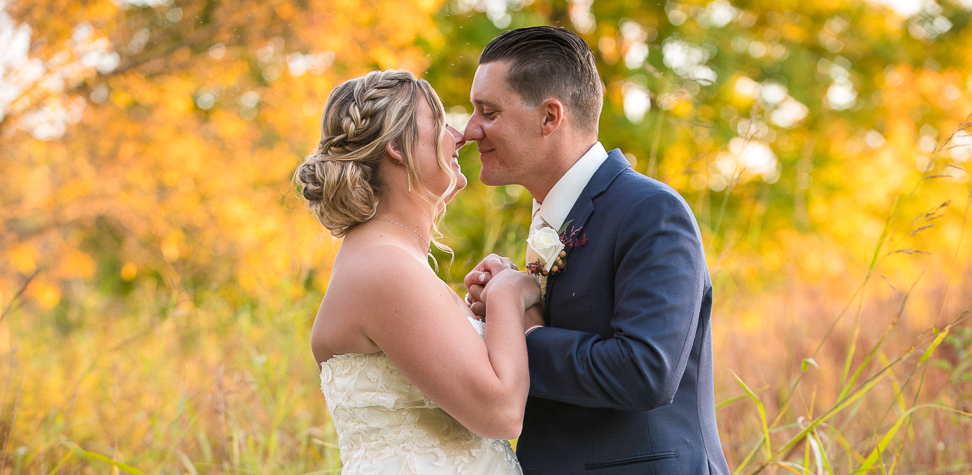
[158, 138]
[768, 116]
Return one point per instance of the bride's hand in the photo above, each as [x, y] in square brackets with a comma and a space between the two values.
[518, 284]
[477, 279]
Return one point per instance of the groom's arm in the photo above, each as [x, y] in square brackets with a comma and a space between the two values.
[658, 290]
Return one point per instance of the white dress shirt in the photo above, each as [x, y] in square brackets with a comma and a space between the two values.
[559, 201]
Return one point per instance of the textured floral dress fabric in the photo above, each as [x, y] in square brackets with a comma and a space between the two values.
[386, 426]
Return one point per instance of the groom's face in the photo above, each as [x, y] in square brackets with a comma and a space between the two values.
[506, 129]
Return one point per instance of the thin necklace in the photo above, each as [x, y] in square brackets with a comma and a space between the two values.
[408, 228]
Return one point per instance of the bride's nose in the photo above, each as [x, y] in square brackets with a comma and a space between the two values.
[460, 139]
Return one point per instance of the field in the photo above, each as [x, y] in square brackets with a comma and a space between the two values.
[159, 275]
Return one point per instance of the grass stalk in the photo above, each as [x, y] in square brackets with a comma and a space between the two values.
[880, 342]
[13, 420]
[762, 413]
[75, 449]
[840, 405]
[874, 457]
[16, 298]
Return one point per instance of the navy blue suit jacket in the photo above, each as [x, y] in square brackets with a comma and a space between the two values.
[621, 379]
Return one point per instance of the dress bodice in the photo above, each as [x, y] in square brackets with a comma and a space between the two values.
[385, 425]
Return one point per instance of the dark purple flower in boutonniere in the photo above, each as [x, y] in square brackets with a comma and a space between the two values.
[573, 237]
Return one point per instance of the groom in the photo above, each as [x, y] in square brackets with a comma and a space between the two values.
[621, 362]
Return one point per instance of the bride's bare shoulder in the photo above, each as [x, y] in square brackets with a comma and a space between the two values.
[366, 286]
[372, 266]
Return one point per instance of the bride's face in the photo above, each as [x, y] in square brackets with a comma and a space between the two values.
[436, 179]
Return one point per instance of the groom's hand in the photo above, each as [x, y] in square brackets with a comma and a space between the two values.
[477, 279]
[533, 317]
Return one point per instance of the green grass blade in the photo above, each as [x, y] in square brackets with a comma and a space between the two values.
[730, 401]
[934, 344]
[749, 457]
[842, 404]
[92, 455]
[823, 453]
[740, 397]
[793, 468]
[58, 466]
[874, 457]
[762, 413]
[849, 357]
[879, 344]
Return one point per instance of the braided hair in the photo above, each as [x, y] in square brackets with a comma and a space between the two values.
[340, 180]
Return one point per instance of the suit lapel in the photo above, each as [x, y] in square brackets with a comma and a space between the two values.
[577, 218]
[584, 206]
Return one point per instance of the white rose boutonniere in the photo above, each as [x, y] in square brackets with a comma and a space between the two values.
[545, 244]
[547, 249]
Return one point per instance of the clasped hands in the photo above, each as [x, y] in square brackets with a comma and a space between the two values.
[495, 270]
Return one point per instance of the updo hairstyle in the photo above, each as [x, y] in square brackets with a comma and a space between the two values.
[340, 180]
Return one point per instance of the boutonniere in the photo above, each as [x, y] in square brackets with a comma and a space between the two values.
[551, 248]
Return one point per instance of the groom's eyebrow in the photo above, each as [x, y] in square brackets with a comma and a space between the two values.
[482, 102]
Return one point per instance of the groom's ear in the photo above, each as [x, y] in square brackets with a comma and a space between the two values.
[553, 115]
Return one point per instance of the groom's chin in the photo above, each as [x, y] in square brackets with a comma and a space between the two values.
[489, 179]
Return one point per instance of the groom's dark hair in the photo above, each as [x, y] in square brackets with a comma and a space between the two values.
[547, 61]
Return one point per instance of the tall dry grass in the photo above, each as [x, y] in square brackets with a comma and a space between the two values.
[860, 376]
[201, 388]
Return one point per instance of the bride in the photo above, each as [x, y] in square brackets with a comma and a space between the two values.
[414, 383]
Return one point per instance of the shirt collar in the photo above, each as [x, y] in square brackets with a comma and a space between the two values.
[559, 201]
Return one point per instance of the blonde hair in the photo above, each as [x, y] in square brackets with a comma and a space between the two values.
[340, 180]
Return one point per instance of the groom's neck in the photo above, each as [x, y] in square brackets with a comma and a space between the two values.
[557, 161]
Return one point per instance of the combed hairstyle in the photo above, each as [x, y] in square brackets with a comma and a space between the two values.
[340, 180]
[547, 61]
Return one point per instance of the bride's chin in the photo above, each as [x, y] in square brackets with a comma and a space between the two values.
[460, 184]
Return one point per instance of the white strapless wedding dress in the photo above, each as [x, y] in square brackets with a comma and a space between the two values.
[386, 426]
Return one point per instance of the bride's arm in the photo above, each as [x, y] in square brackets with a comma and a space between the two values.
[415, 319]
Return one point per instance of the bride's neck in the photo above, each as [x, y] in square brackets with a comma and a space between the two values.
[413, 213]
[411, 220]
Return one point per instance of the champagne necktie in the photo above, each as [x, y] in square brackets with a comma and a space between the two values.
[532, 256]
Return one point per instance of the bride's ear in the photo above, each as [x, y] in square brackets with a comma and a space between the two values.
[395, 152]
